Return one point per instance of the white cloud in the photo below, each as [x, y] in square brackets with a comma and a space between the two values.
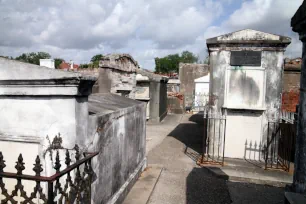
[78, 29]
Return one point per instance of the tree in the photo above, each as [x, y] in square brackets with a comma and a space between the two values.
[95, 60]
[83, 66]
[170, 63]
[188, 57]
[33, 57]
[57, 62]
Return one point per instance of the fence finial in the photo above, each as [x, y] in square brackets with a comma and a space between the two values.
[20, 165]
[67, 159]
[2, 162]
[37, 166]
[77, 152]
[57, 165]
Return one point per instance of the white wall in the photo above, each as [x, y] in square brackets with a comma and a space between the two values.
[47, 63]
[242, 127]
[201, 93]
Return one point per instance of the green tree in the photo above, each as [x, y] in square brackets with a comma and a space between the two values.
[170, 63]
[33, 57]
[57, 62]
[95, 60]
[96, 57]
[188, 57]
[83, 66]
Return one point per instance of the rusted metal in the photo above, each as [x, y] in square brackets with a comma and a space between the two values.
[72, 190]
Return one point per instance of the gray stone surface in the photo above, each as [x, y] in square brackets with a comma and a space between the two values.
[243, 171]
[117, 75]
[187, 74]
[294, 198]
[242, 193]
[143, 188]
[157, 86]
[117, 131]
[158, 101]
[157, 132]
[182, 181]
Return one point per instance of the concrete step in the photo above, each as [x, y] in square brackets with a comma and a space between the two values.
[252, 175]
[143, 188]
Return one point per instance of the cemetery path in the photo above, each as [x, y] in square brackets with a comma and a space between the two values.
[183, 182]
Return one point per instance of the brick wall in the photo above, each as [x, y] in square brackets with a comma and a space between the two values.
[291, 89]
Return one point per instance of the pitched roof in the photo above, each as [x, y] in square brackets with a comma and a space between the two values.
[249, 36]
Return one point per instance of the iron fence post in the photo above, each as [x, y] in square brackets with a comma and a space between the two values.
[50, 193]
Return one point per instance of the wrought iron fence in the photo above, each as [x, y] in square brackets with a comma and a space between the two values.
[75, 188]
[280, 142]
[214, 139]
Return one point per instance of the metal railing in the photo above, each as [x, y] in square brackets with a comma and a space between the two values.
[280, 142]
[214, 139]
[69, 190]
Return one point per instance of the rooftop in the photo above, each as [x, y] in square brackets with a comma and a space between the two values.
[249, 36]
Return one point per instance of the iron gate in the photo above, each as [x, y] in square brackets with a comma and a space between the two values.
[214, 139]
[280, 143]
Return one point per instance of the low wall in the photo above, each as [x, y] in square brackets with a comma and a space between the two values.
[117, 130]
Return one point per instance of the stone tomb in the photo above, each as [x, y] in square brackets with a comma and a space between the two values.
[152, 89]
[117, 75]
[36, 102]
[246, 85]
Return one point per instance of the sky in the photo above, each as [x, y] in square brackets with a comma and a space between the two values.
[79, 29]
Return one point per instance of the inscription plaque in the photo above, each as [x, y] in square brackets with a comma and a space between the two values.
[245, 58]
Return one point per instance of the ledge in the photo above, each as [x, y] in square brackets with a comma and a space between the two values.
[142, 99]
[245, 108]
[20, 138]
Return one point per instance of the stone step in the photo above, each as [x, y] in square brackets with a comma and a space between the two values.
[143, 188]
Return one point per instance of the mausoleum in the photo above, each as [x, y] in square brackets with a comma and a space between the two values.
[245, 88]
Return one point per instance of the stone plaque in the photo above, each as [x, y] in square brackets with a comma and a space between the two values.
[245, 58]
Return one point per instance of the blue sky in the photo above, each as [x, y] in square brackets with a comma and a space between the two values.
[78, 29]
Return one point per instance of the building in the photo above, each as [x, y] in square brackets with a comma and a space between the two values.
[68, 66]
[201, 94]
[188, 72]
[291, 84]
[47, 63]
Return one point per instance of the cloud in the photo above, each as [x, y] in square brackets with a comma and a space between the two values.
[272, 16]
[78, 29]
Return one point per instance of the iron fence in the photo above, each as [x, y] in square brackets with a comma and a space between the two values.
[280, 142]
[75, 188]
[214, 139]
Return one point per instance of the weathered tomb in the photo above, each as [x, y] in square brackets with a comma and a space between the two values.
[188, 72]
[117, 75]
[152, 89]
[37, 101]
[245, 85]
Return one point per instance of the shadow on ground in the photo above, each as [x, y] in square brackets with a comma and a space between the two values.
[201, 187]
[191, 135]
